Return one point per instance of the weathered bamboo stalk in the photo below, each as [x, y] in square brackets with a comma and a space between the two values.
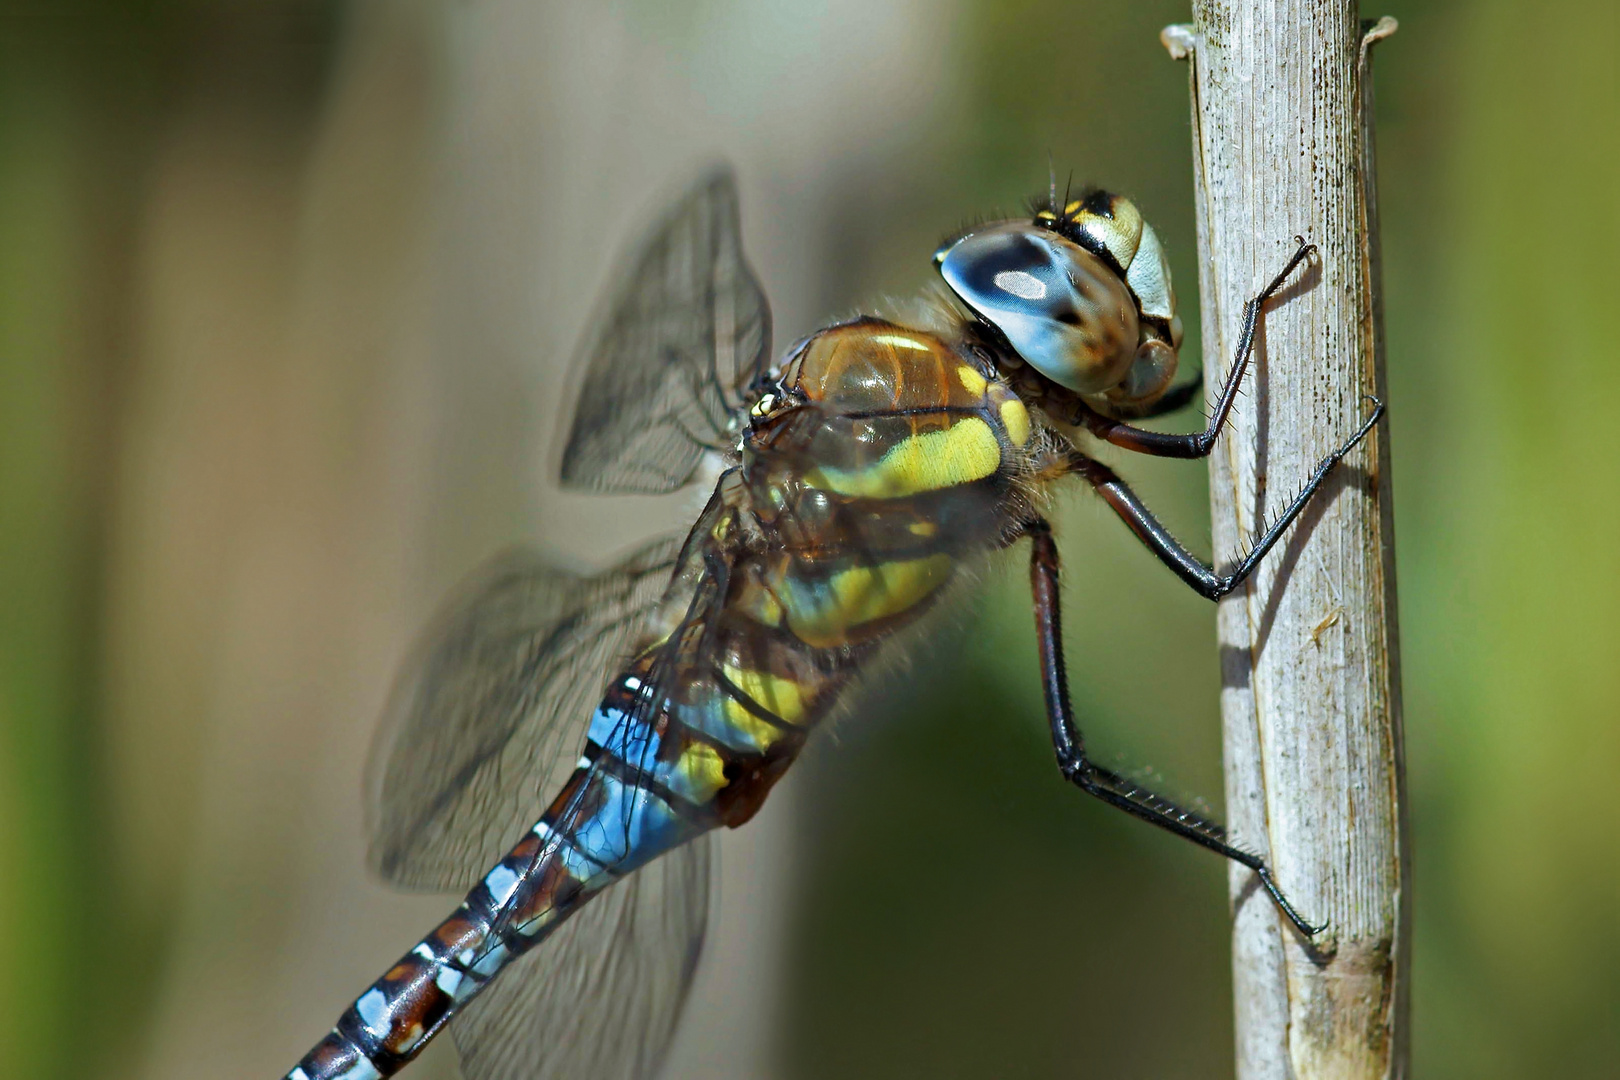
[1311, 706]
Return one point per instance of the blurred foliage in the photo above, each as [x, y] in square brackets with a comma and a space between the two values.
[963, 913]
[71, 98]
[85, 88]
[1509, 518]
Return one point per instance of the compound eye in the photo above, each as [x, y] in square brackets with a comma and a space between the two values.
[1063, 309]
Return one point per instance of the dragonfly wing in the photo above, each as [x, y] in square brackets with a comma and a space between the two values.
[601, 997]
[489, 714]
[689, 324]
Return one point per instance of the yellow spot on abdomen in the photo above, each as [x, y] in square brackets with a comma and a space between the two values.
[964, 452]
[822, 615]
[702, 770]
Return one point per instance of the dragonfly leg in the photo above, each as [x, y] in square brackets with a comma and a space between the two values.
[1187, 566]
[1102, 783]
[1197, 444]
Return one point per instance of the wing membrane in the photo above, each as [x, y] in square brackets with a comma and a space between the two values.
[490, 712]
[689, 323]
[601, 996]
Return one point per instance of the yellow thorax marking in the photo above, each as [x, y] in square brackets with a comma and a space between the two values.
[972, 381]
[900, 341]
[759, 733]
[778, 696]
[820, 616]
[1015, 418]
[759, 604]
[964, 452]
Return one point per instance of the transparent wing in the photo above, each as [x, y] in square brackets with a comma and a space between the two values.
[489, 714]
[688, 326]
[601, 996]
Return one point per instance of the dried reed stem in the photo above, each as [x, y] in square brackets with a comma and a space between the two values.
[1311, 706]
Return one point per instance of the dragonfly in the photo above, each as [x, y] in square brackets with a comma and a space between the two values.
[562, 746]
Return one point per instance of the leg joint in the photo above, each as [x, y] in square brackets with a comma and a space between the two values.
[1074, 766]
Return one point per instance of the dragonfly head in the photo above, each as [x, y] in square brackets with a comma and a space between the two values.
[1081, 292]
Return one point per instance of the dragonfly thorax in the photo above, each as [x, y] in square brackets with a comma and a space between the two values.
[872, 410]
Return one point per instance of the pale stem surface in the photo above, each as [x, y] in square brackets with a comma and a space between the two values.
[1309, 650]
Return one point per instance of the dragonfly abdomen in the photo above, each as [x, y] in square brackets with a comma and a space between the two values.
[619, 808]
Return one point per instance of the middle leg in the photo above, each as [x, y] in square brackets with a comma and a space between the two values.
[1093, 779]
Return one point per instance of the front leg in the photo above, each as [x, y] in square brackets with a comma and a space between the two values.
[1187, 566]
[1070, 748]
[1198, 444]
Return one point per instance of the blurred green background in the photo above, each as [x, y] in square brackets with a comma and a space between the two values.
[286, 287]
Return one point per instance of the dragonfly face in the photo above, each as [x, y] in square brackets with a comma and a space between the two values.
[1082, 294]
[563, 746]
